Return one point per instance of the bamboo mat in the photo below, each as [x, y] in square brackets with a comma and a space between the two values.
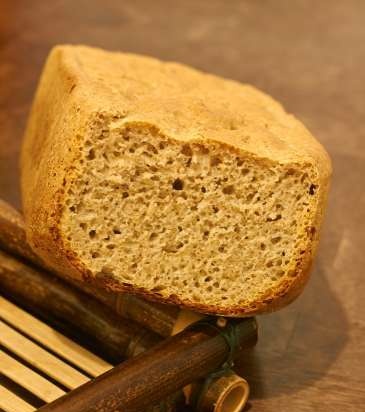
[37, 363]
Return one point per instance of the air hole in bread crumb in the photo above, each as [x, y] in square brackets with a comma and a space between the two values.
[151, 148]
[158, 288]
[95, 255]
[178, 184]
[117, 231]
[203, 189]
[208, 279]
[273, 217]
[92, 234]
[302, 179]
[83, 226]
[215, 161]
[290, 172]
[312, 189]
[250, 196]
[91, 154]
[203, 149]
[186, 150]
[262, 246]
[275, 240]
[125, 195]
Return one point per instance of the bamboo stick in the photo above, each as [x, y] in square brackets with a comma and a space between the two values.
[40, 358]
[156, 317]
[151, 376]
[11, 403]
[52, 340]
[30, 380]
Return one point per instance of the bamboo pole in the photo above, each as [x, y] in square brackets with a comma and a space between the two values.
[151, 376]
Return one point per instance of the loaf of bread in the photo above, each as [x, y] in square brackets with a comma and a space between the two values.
[157, 179]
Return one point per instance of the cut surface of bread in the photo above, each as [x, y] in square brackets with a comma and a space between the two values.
[157, 179]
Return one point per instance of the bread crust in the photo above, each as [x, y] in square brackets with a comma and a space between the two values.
[72, 94]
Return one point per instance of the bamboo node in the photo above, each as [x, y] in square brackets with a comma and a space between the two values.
[221, 322]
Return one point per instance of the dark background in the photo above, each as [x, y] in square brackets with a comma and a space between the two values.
[308, 54]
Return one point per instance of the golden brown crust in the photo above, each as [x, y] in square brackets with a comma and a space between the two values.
[73, 95]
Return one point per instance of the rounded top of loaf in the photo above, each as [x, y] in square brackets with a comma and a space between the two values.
[187, 104]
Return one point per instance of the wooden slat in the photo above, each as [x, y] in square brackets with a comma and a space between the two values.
[50, 338]
[40, 358]
[29, 379]
[12, 403]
